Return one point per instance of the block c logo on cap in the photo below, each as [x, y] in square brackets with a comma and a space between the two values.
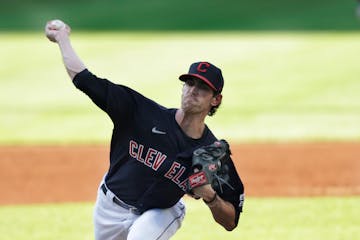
[203, 66]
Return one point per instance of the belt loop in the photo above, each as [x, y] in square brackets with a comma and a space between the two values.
[103, 188]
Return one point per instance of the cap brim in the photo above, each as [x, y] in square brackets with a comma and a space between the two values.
[185, 77]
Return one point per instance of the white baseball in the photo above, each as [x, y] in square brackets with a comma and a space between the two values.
[57, 24]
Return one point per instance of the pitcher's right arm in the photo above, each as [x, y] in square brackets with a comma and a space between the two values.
[58, 32]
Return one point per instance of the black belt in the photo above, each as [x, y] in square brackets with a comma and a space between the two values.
[117, 201]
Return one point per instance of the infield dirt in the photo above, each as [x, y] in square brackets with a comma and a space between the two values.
[41, 174]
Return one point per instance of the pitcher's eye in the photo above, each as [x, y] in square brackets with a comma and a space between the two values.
[190, 82]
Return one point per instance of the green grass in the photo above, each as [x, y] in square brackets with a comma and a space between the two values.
[328, 218]
[278, 86]
[47, 221]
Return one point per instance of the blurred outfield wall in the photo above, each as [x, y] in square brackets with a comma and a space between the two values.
[149, 15]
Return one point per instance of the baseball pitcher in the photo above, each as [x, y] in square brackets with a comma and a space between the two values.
[157, 154]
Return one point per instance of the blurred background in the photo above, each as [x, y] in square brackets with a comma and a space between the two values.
[171, 15]
[291, 109]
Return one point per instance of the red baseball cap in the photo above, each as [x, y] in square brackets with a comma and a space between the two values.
[207, 72]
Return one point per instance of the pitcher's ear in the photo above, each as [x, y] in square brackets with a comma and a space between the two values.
[216, 100]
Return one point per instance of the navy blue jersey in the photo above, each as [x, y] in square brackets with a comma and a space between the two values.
[150, 155]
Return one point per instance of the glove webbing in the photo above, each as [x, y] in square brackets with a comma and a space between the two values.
[221, 180]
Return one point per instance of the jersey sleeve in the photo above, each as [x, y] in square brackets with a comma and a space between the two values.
[116, 100]
[235, 193]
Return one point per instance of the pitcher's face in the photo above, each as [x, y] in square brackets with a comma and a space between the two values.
[197, 96]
